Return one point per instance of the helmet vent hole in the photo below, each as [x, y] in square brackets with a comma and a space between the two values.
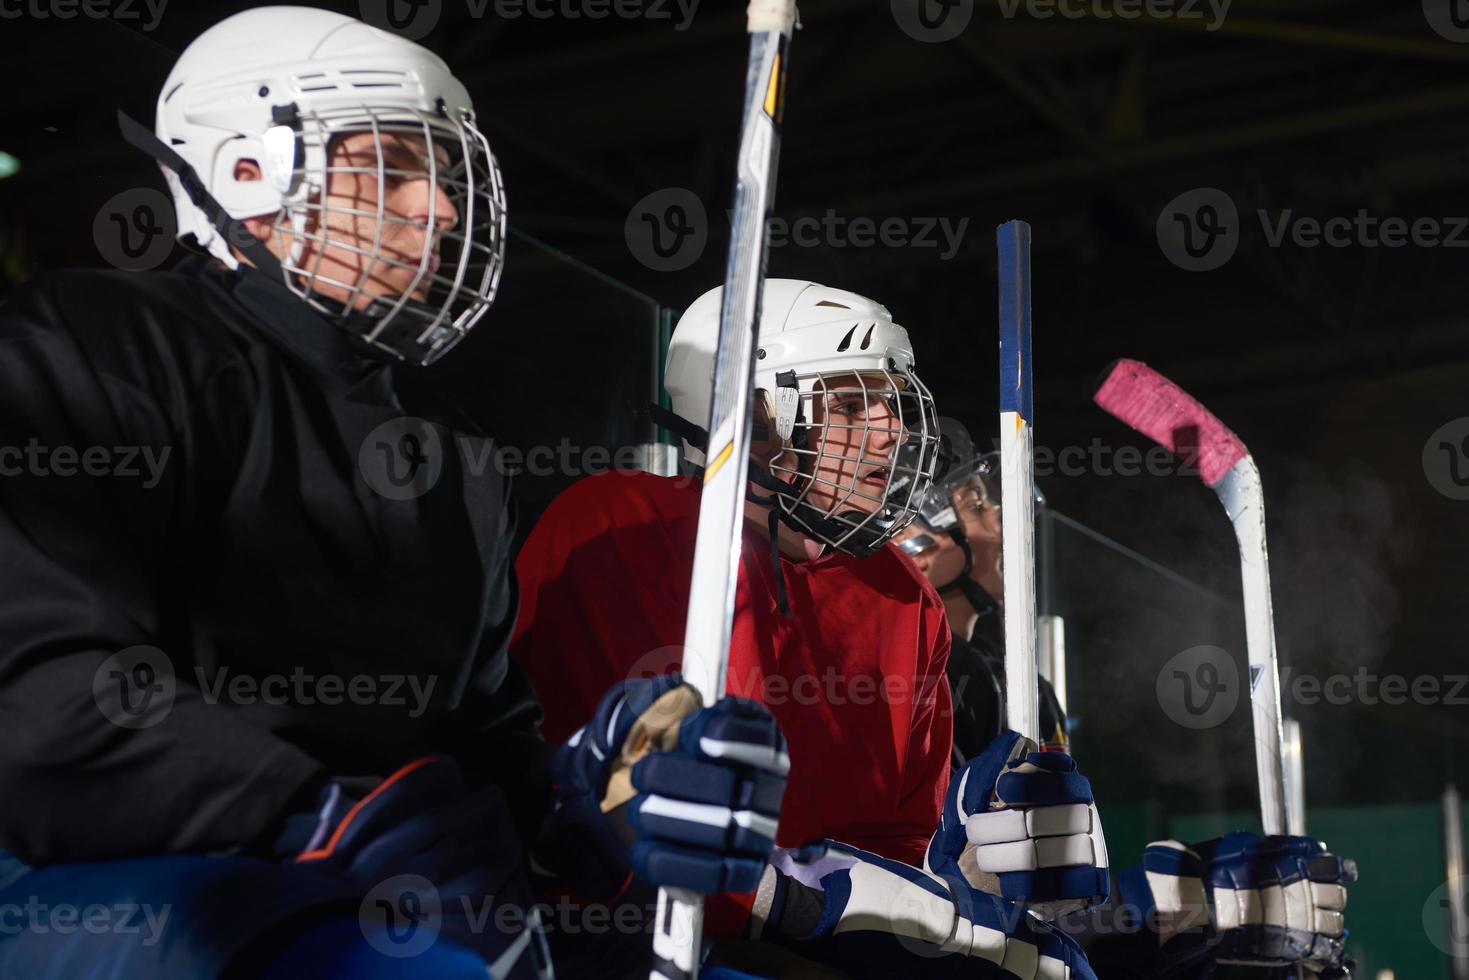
[867, 337]
[835, 306]
[847, 340]
[350, 78]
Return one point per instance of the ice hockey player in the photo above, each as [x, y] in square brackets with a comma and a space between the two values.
[257, 694]
[955, 542]
[835, 632]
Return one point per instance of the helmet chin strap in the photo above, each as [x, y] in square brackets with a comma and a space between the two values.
[232, 230]
[981, 600]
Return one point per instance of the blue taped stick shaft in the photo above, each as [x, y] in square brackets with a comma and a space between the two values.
[1013, 238]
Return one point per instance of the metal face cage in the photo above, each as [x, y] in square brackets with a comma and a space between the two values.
[400, 236]
[860, 458]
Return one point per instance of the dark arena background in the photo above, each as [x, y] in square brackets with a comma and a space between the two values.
[1266, 201]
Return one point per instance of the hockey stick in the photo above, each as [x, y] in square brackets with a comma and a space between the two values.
[677, 930]
[1151, 404]
[1017, 481]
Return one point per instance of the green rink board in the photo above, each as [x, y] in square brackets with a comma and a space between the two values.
[1394, 912]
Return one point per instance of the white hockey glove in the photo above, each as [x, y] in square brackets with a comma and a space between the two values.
[1022, 824]
[1244, 899]
[874, 918]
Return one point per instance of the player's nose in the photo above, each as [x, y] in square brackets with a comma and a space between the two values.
[885, 426]
[436, 208]
[446, 215]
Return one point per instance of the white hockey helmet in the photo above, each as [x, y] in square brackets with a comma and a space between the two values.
[819, 341]
[275, 85]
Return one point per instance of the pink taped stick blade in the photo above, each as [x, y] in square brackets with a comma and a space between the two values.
[1159, 409]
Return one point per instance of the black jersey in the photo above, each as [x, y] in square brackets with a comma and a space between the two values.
[977, 678]
[188, 533]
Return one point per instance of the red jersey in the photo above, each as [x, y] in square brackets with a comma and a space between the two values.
[855, 675]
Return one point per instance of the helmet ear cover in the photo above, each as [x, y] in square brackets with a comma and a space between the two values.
[285, 150]
[790, 419]
[765, 446]
[788, 410]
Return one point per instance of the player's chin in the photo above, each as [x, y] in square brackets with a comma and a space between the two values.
[422, 286]
[407, 284]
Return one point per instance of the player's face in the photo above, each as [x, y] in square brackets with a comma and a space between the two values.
[360, 256]
[980, 518]
[857, 433]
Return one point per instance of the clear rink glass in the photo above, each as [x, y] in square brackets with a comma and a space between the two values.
[589, 351]
[1157, 691]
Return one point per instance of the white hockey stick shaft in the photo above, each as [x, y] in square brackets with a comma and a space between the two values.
[1244, 501]
[1243, 497]
[677, 933]
[1159, 409]
[1017, 481]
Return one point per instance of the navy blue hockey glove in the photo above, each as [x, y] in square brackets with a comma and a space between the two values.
[1022, 824]
[872, 917]
[679, 795]
[429, 857]
[1243, 899]
[420, 819]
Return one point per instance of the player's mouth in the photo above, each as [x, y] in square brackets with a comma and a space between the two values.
[426, 283]
[877, 478]
[430, 267]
